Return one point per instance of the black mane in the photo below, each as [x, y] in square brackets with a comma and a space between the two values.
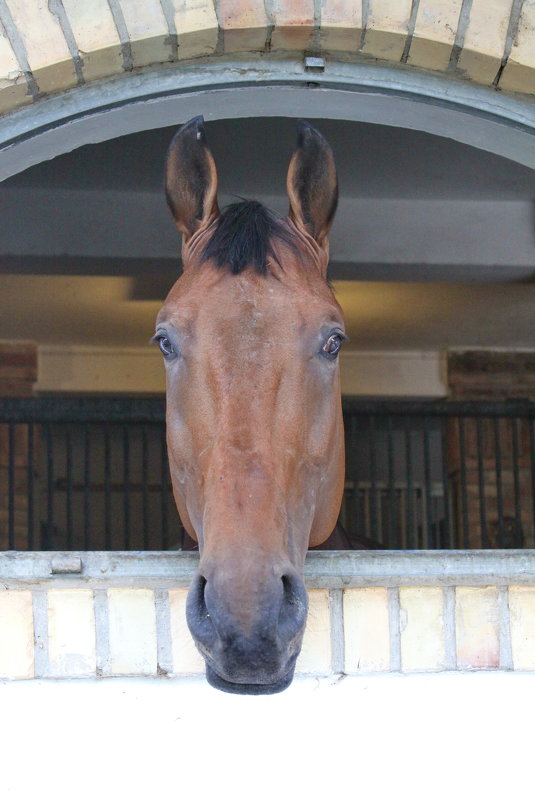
[244, 236]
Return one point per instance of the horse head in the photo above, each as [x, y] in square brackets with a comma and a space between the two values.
[250, 335]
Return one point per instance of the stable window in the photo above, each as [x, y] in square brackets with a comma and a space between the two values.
[410, 270]
[92, 474]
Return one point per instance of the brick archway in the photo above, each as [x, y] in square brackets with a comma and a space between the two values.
[46, 48]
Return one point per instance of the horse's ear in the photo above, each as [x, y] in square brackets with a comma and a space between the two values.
[191, 178]
[312, 184]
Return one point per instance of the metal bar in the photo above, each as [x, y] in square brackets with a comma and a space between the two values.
[76, 410]
[436, 518]
[403, 541]
[374, 529]
[145, 481]
[11, 486]
[68, 447]
[60, 484]
[152, 410]
[499, 485]
[531, 426]
[452, 409]
[428, 534]
[50, 487]
[87, 483]
[366, 512]
[164, 473]
[516, 485]
[481, 485]
[30, 491]
[391, 541]
[126, 483]
[107, 489]
[411, 533]
[445, 486]
[354, 527]
[464, 490]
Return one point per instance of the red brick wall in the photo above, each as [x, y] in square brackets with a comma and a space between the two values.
[491, 375]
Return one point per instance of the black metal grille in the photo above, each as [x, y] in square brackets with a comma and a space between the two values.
[86, 474]
[92, 473]
[445, 475]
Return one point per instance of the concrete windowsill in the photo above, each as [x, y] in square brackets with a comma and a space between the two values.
[327, 569]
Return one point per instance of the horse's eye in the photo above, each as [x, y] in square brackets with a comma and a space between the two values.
[165, 346]
[332, 345]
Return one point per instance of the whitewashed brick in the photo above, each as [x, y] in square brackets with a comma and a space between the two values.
[519, 72]
[13, 87]
[186, 658]
[522, 622]
[315, 656]
[147, 31]
[132, 631]
[387, 29]
[366, 629]
[96, 37]
[16, 635]
[434, 33]
[484, 40]
[71, 633]
[244, 25]
[422, 629]
[45, 45]
[197, 28]
[294, 24]
[477, 627]
[341, 24]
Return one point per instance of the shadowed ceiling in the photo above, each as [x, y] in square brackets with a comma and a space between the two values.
[433, 245]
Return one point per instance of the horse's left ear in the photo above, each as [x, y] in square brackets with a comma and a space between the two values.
[191, 179]
[312, 184]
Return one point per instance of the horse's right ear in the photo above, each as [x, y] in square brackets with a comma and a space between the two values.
[191, 179]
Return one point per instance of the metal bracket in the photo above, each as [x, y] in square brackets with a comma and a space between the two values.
[314, 63]
[61, 564]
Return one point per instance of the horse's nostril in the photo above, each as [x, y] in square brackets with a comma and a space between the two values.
[288, 589]
[197, 590]
[294, 603]
[198, 617]
[293, 588]
[202, 596]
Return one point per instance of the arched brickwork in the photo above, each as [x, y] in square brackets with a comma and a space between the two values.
[47, 47]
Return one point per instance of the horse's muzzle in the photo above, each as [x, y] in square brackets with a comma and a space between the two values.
[250, 647]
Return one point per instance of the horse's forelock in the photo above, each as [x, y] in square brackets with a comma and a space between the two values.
[244, 237]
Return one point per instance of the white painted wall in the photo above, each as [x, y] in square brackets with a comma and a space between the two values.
[78, 368]
[391, 737]
[90, 369]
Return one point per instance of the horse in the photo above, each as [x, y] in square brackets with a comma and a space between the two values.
[250, 335]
